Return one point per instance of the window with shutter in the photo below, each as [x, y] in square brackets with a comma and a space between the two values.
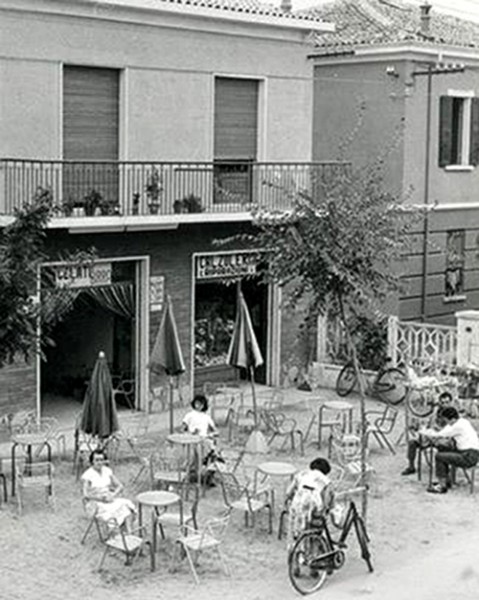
[458, 131]
[474, 151]
[91, 132]
[235, 138]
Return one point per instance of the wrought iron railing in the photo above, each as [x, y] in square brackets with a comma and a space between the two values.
[421, 342]
[163, 188]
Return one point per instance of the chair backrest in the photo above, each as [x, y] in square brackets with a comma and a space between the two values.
[217, 527]
[38, 474]
[345, 447]
[22, 421]
[230, 486]
[387, 420]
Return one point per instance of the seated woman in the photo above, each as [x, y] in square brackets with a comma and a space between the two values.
[310, 495]
[101, 490]
[198, 421]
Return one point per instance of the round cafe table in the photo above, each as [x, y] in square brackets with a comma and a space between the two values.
[278, 469]
[158, 501]
[189, 441]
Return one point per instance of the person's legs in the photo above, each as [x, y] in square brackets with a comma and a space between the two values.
[445, 459]
[412, 449]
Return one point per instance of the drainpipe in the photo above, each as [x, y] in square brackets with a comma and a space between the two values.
[426, 195]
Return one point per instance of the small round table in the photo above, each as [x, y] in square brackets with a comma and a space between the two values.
[343, 410]
[157, 501]
[189, 440]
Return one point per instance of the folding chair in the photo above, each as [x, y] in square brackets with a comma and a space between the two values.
[243, 498]
[130, 544]
[36, 477]
[278, 425]
[382, 426]
[207, 538]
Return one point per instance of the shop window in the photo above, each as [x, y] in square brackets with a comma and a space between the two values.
[458, 131]
[455, 262]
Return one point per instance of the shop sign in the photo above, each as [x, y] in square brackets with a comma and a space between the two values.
[85, 275]
[221, 266]
[157, 292]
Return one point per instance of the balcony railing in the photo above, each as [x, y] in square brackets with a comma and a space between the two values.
[166, 188]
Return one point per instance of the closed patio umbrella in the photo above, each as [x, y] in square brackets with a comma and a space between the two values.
[166, 356]
[99, 415]
[244, 352]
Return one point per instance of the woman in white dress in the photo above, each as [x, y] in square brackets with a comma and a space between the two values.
[101, 490]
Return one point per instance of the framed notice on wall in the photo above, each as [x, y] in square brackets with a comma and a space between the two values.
[157, 292]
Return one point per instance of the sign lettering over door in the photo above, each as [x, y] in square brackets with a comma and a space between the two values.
[228, 265]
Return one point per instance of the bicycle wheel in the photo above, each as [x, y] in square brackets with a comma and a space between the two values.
[363, 540]
[420, 403]
[390, 386]
[346, 380]
[307, 568]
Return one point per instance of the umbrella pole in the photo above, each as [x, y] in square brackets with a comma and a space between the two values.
[256, 442]
[171, 404]
[253, 394]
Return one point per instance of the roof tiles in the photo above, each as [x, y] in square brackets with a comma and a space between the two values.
[379, 22]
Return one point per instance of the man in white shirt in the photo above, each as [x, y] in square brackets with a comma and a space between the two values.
[464, 455]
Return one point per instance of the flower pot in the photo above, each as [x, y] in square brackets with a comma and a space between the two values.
[153, 208]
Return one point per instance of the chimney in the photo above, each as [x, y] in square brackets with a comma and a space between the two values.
[286, 5]
[425, 18]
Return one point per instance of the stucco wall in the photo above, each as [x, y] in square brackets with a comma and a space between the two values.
[357, 116]
[167, 84]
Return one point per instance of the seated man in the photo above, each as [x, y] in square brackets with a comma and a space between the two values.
[418, 442]
[464, 455]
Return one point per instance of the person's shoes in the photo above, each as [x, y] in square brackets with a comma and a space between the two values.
[437, 488]
[408, 471]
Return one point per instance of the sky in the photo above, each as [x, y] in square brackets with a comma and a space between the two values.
[459, 8]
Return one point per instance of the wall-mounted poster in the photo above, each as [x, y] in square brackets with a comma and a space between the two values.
[157, 292]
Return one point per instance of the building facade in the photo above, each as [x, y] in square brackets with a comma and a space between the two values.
[399, 84]
[158, 128]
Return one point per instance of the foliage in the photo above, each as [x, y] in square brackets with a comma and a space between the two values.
[339, 246]
[21, 252]
[154, 186]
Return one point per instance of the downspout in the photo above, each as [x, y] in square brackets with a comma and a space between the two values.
[426, 195]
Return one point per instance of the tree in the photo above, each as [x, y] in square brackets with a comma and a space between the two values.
[339, 248]
[21, 252]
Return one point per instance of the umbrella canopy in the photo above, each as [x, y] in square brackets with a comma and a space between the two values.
[244, 352]
[166, 356]
[244, 349]
[99, 416]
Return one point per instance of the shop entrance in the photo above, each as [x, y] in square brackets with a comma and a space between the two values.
[83, 313]
[215, 312]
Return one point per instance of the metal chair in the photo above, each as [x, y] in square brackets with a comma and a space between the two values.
[278, 425]
[168, 469]
[130, 544]
[36, 477]
[345, 450]
[382, 426]
[182, 516]
[208, 538]
[245, 499]
[124, 393]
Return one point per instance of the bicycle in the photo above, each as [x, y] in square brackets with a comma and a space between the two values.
[389, 385]
[316, 554]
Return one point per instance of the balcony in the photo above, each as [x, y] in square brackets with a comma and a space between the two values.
[93, 192]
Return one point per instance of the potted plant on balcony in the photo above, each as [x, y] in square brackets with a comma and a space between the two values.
[154, 189]
[92, 201]
[189, 204]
